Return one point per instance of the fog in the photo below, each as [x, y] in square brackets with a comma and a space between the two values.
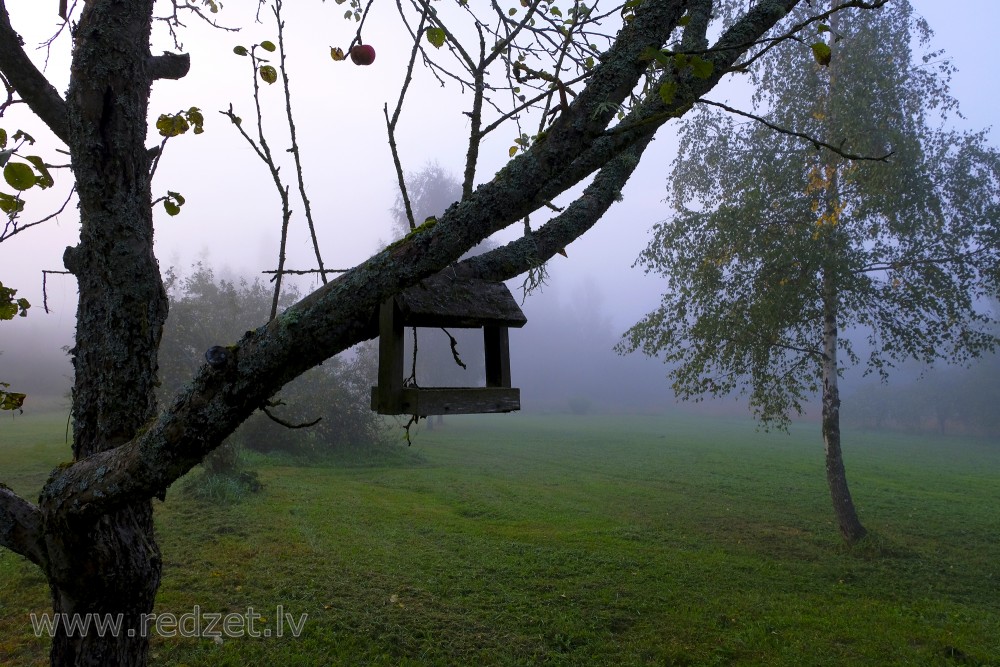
[231, 216]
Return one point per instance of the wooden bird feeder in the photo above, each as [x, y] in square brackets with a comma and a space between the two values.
[443, 301]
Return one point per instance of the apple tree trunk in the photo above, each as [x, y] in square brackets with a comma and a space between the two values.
[110, 565]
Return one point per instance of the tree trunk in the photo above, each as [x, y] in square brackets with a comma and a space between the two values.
[110, 566]
[836, 476]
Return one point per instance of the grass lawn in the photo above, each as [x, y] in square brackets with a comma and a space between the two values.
[521, 540]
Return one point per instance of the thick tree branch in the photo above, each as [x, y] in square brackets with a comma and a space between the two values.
[20, 526]
[30, 83]
[168, 66]
[532, 250]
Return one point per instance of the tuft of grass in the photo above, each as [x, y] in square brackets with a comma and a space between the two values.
[513, 540]
[225, 488]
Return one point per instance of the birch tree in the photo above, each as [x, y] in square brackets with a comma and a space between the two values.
[781, 244]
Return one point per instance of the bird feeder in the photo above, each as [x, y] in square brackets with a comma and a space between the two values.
[447, 302]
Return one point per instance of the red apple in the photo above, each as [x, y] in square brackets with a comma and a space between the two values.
[363, 54]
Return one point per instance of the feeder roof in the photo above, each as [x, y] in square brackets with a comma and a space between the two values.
[445, 301]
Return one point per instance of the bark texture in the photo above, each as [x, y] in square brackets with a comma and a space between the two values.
[836, 475]
[110, 564]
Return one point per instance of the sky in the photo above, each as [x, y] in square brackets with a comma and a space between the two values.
[231, 216]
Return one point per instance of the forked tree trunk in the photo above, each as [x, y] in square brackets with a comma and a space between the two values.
[836, 476]
[111, 566]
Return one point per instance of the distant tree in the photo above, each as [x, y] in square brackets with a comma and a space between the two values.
[429, 192]
[779, 243]
[206, 310]
[948, 400]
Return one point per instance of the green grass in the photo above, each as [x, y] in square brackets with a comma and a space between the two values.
[518, 540]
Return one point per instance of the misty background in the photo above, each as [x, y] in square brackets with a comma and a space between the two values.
[564, 359]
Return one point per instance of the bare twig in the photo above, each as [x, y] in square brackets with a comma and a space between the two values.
[454, 349]
[11, 228]
[45, 292]
[287, 424]
[784, 130]
[294, 139]
[173, 21]
[391, 123]
[304, 272]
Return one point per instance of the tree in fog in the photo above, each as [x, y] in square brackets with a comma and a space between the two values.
[429, 192]
[332, 398]
[780, 243]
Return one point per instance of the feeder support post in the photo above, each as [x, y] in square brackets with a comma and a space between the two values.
[390, 359]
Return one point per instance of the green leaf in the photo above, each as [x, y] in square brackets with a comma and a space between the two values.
[5, 155]
[268, 74]
[9, 306]
[44, 177]
[171, 125]
[172, 203]
[663, 57]
[3, 137]
[10, 204]
[701, 68]
[268, 46]
[19, 175]
[822, 53]
[21, 134]
[436, 36]
[241, 51]
[667, 92]
[11, 400]
[684, 20]
[196, 118]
